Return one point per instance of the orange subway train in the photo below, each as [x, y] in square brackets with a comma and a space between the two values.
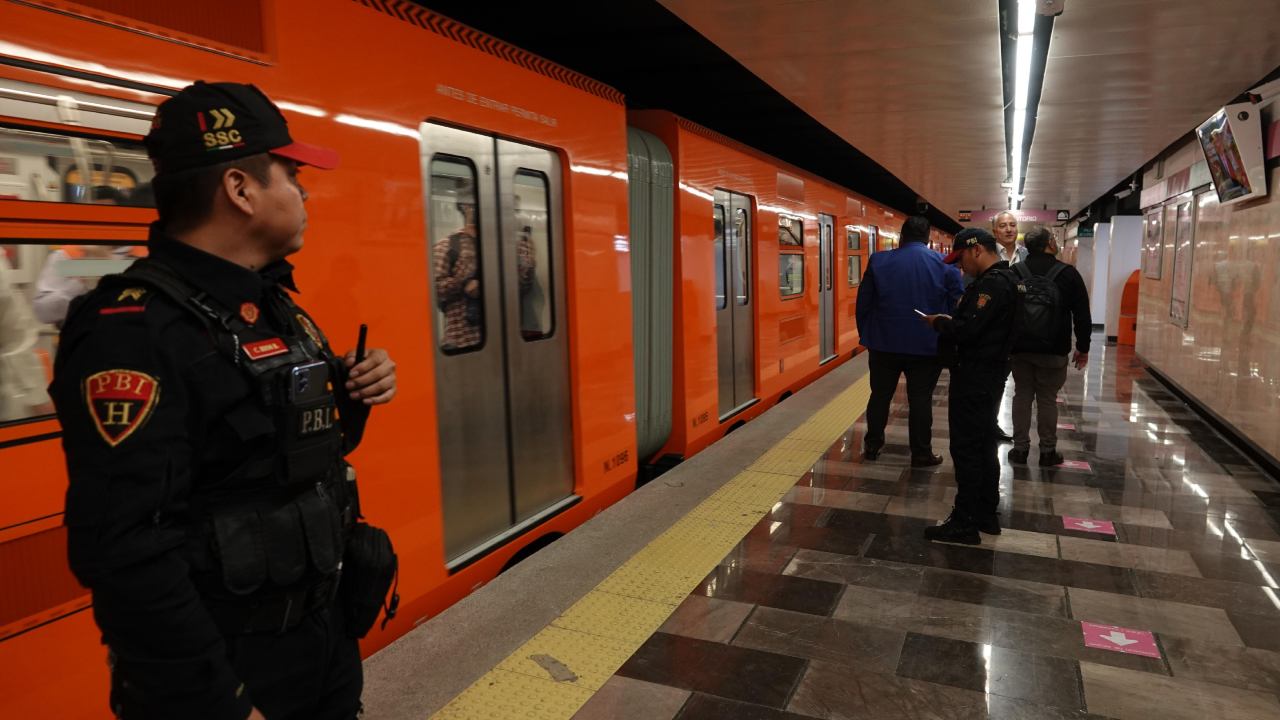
[646, 285]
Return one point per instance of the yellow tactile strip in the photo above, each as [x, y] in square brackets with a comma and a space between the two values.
[586, 645]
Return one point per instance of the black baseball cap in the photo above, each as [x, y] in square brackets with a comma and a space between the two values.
[967, 238]
[210, 123]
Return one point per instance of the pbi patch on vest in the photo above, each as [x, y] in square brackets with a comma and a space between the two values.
[983, 299]
[120, 401]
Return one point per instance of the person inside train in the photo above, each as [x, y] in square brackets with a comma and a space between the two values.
[22, 378]
[896, 285]
[456, 261]
[532, 298]
[60, 283]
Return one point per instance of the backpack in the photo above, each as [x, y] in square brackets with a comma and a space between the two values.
[1039, 313]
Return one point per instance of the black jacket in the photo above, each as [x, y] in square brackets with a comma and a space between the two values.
[981, 325]
[1075, 306]
[153, 418]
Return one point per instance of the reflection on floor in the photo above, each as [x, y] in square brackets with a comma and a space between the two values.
[835, 607]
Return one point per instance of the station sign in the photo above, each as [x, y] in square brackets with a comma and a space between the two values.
[1064, 215]
[965, 215]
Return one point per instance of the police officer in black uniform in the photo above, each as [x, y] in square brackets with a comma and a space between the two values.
[205, 420]
[981, 331]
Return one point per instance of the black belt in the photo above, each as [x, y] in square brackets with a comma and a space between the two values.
[274, 612]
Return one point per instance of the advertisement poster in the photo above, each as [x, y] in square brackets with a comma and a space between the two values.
[1153, 246]
[1180, 305]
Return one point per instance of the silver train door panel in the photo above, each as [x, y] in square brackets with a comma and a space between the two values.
[735, 316]
[495, 252]
[826, 288]
[537, 328]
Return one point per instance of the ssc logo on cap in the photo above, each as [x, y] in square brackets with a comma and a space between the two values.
[214, 135]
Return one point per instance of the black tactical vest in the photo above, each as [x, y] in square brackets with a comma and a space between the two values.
[265, 557]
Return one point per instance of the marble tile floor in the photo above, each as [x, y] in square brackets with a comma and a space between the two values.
[834, 606]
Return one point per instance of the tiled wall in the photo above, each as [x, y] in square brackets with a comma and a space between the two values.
[1228, 356]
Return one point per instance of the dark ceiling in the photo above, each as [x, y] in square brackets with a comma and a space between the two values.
[657, 61]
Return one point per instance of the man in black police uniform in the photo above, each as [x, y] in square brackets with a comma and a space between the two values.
[204, 422]
[981, 331]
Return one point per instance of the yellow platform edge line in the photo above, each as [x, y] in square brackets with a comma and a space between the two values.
[553, 674]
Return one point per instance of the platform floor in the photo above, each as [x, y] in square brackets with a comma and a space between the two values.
[1163, 602]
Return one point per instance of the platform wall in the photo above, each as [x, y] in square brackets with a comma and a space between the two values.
[1228, 356]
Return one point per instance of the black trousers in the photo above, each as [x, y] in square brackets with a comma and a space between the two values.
[971, 413]
[922, 373]
[312, 672]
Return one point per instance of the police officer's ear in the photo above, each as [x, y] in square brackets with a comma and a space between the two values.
[239, 188]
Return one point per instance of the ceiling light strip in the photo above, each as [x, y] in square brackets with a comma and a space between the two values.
[1025, 46]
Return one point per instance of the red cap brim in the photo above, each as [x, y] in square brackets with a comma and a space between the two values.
[309, 155]
[953, 257]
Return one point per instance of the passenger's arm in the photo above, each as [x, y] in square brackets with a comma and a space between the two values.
[448, 287]
[1081, 316]
[124, 415]
[54, 292]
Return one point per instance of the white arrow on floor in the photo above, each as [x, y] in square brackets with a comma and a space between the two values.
[1089, 524]
[1118, 638]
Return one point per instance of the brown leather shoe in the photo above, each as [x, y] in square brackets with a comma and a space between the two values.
[929, 460]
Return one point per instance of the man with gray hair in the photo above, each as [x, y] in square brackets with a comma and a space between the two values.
[1054, 299]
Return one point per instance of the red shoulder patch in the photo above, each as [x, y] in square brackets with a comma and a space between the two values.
[120, 402]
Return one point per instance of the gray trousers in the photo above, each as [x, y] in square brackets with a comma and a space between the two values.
[1037, 378]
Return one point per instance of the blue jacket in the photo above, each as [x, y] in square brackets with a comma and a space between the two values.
[897, 283]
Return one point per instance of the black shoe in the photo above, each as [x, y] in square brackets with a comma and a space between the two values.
[1018, 455]
[1003, 436]
[929, 460]
[954, 530]
[990, 526]
[869, 451]
[1049, 458]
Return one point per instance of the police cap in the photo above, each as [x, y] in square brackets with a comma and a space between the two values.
[210, 123]
[967, 238]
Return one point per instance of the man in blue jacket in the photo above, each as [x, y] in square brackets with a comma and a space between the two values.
[896, 284]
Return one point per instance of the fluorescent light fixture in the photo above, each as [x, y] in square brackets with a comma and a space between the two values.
[1021, 89]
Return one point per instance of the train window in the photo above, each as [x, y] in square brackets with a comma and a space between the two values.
[533, 254]
[853, 239]
[742, 237]
[790, 231]
[38, 281]
[719, 259]
[455, 254]
[855, 270]
[52, 167]
[791, 274]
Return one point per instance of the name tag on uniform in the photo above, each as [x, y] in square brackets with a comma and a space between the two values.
[265, 348]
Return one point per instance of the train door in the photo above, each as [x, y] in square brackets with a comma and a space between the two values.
[735, 321]
[496, 255]
[826, 288]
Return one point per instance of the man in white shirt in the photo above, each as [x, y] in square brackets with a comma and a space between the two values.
[1005, 227]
